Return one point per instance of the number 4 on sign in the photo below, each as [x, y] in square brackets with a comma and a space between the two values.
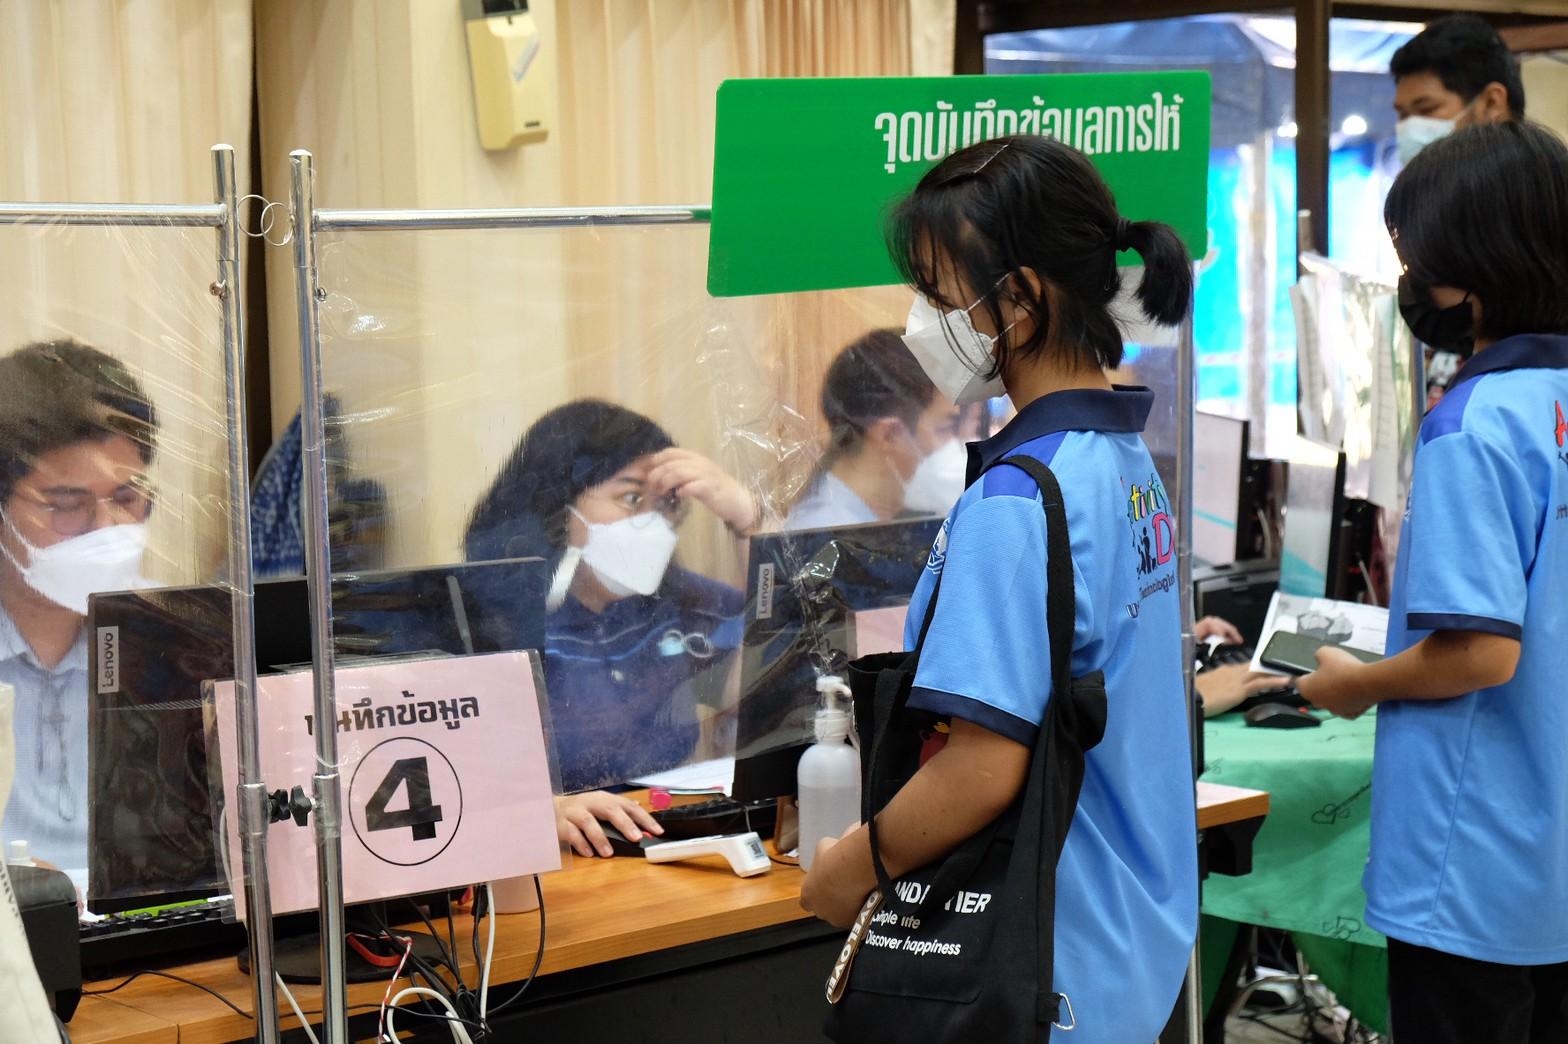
[421, 815]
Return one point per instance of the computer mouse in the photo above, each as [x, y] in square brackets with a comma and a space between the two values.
[1281, 716]
[620, 846]
[1285, 694]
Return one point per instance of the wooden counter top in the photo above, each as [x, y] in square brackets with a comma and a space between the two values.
[596, 911]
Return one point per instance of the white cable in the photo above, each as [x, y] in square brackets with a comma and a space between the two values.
[484, 974]
[289, 996]
[453, 1021]
[408, 950]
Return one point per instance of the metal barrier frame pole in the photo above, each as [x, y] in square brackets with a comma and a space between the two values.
[221, 216]
[327, 790]
[251, 796]
[519, 217]
[1186, 405]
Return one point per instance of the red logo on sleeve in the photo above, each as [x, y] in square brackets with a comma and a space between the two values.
[1562, 426]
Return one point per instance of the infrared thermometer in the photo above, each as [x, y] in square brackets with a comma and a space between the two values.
[744, 852]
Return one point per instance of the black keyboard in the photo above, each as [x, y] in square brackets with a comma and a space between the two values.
[1225, 656]
[719, 815]
[131, 942]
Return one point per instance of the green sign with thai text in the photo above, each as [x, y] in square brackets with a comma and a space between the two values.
[805, 169]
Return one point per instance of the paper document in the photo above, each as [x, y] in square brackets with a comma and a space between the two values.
[1343, 623]
[717, 775]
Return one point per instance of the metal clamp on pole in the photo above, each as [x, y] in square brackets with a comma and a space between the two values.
[327, 796]
[295, 804]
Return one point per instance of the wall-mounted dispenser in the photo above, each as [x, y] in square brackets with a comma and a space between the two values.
[514, 87]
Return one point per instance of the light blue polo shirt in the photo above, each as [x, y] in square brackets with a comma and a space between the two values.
[48, 803]
[1127, 884]
[829, 502]
[1470, 795]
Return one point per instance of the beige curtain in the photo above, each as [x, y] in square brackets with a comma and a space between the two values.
[446, 346]
[121, 102]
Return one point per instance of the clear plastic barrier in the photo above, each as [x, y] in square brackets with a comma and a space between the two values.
[114, 446]
[572, 400]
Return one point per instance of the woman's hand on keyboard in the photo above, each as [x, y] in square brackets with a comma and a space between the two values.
[577, 821]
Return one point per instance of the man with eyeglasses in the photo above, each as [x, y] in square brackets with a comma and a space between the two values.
[76, 437]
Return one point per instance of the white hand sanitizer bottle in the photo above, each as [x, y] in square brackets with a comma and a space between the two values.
[829, 773]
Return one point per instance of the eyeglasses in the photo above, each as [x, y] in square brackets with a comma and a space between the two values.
[634, 503]
[72, 514]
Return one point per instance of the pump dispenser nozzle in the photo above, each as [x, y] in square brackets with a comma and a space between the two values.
[833, 720]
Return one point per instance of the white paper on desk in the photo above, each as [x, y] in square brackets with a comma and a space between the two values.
[1343, 623]
[717, 775]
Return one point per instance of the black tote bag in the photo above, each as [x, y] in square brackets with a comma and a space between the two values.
[962, 950]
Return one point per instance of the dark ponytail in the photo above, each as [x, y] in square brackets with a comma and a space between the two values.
[872, 378]
[995, 209]
[1165, 291]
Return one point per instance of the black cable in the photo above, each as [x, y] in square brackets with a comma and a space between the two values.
[444, 960]
[431, 1012]
[479, 910]
[415, 965]
[451, 939]
[205, 989]
[538, 958]
[479, 959]
[165, 975]
[447, 958]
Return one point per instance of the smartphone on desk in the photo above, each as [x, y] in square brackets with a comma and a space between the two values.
[1296, 654]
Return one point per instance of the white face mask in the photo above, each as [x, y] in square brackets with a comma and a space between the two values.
[958, 370]
[631, 556]
[1414, 133]
[938, 481]
[107, 559]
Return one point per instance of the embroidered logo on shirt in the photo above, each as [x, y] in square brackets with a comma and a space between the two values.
[1560, 432]
[939, 548]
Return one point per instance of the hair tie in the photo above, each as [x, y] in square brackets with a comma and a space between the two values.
[1122, 240]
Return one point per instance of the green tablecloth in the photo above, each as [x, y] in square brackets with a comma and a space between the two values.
[1309, 855]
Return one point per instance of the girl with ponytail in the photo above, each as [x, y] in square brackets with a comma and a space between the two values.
[1011, 247]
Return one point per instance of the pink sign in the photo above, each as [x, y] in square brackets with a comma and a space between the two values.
[444, 774]
[880, 630]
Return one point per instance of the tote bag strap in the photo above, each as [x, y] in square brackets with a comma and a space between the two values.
[1074, 721]
[1060, 594]
[1060, 624]
[891, 697]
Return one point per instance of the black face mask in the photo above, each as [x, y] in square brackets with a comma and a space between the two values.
[1445, 329]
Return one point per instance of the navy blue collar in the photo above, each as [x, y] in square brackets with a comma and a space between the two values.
[1124, 410]
[1520, 352]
